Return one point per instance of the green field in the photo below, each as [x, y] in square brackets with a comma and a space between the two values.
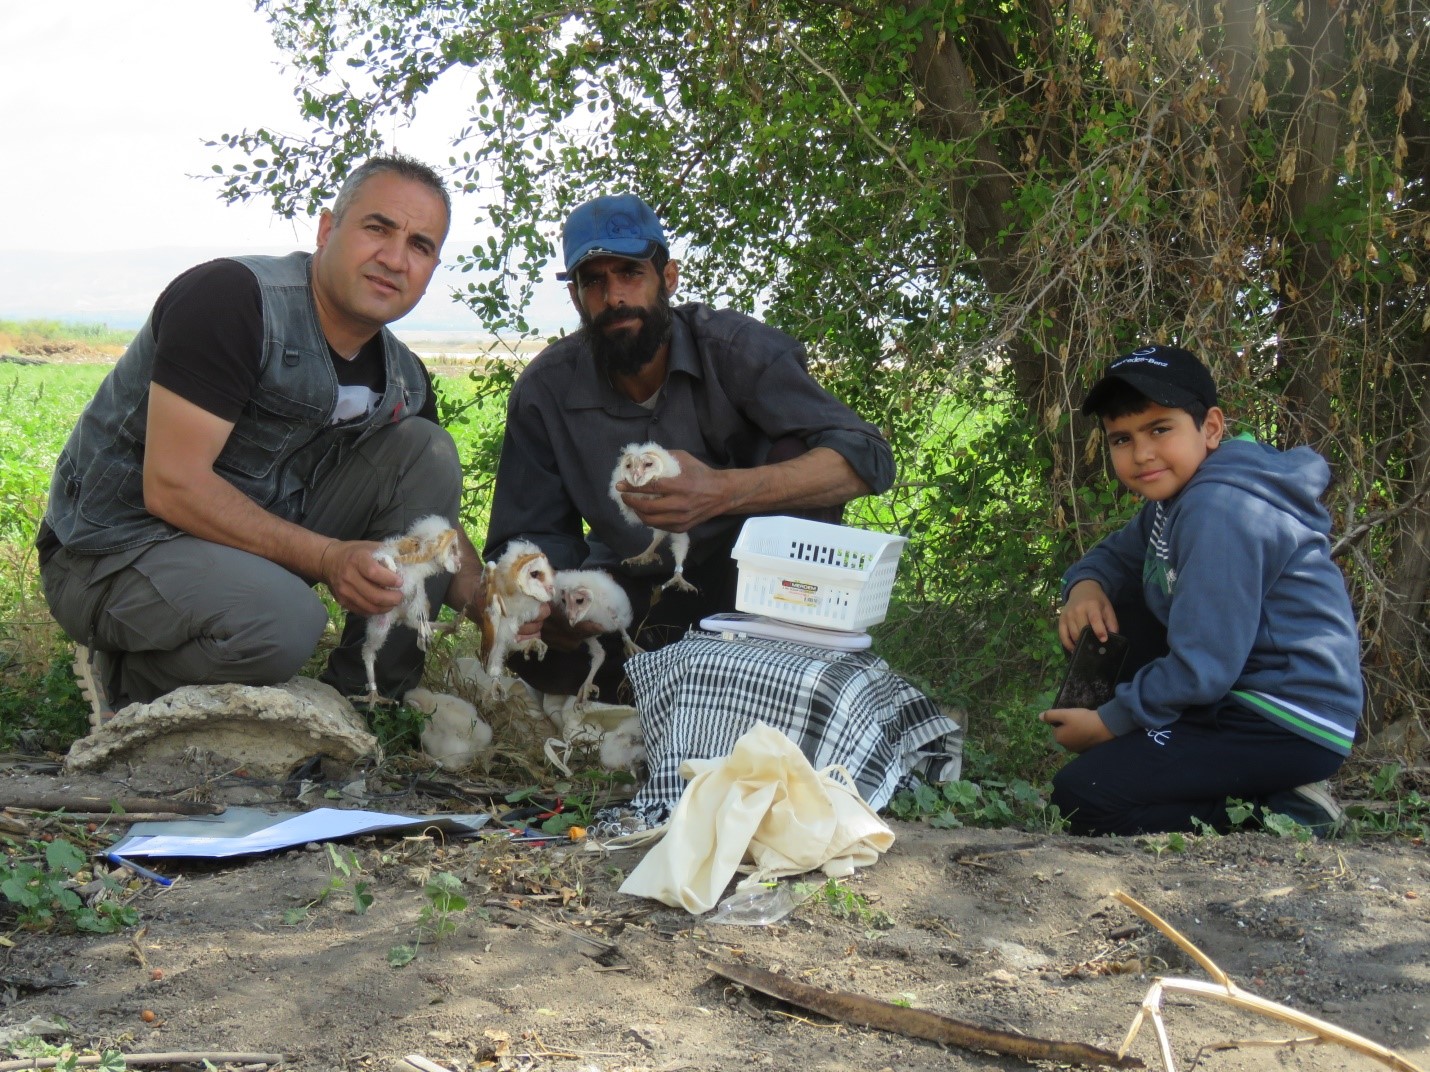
[38, 406]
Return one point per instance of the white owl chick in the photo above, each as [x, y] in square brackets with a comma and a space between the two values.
[454, 734]
[518, 584]
[624, 747]
[426, 549]
[638, 465]
[593, 596]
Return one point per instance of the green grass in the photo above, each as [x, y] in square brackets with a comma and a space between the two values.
[38, 407]
[40, 706]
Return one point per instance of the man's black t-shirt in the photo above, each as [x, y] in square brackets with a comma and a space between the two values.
[208, 326]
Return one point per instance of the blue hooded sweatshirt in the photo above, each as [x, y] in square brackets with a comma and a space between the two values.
[1237, 565]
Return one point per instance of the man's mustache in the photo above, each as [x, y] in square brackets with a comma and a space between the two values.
[612, 316]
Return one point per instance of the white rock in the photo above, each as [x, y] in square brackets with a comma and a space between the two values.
[266, 730]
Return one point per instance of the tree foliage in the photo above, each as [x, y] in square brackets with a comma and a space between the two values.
[964, 208]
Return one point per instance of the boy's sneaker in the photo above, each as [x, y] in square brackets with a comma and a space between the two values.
[92, 668]
[1310, 805]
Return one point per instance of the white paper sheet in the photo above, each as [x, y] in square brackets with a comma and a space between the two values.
[321, 824]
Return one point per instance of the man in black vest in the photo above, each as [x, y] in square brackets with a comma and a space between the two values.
[260, 433]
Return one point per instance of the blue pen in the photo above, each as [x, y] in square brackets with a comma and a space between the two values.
[142, 872]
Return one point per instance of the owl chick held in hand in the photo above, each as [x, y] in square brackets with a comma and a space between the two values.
[593, 596]
[426, 549]
[638, 465]
[518, 584]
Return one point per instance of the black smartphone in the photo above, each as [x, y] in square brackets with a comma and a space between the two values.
[1092, 671]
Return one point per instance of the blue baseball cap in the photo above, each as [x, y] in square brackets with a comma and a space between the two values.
[617, 225]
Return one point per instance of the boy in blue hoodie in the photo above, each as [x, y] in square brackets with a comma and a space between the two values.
[1248, 683]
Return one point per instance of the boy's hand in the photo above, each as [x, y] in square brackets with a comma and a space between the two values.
[1077, 728]
[1087, 605]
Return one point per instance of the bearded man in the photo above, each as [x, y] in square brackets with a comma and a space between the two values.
[729, 397]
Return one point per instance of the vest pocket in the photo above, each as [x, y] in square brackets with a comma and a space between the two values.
[259, 442]
[120, 482]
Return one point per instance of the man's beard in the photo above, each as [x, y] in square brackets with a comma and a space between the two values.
[625, 353]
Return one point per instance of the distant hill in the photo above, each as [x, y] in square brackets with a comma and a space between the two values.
[118, 287]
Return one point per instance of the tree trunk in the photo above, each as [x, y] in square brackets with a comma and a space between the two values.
[1307, 349]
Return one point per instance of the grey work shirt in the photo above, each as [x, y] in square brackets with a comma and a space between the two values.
[734, 386]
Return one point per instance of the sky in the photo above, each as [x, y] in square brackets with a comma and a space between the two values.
[105, 106]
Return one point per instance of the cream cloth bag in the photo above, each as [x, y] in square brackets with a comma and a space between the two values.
[765, 804]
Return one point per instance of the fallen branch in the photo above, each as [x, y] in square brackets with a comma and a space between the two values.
[63, 802]
[415, 1062]
[128, 817]
[916, 1023]
[139, 1060]
[1224, 990]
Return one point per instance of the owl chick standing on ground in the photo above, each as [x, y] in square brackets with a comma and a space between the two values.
[518, 585]
[426, 549]
[593, 596]
[638, 465]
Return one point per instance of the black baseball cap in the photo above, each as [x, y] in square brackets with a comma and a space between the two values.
[1168, 375]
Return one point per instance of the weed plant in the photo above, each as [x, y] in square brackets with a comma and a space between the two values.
[346, 873]
[445, 899]
[37, 887]
[840, 901]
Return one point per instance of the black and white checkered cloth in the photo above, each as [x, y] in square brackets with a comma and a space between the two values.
[698, 696]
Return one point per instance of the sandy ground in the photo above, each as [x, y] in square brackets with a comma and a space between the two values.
[551, 968]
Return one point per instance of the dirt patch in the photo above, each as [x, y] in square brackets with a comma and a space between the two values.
[1000, 928]
[63, 353]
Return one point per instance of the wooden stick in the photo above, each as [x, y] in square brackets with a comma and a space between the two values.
[414, 1062]
[1183, 943]
[1224, 990]
[127, 819]
[1234, 995]
[136, 1060]
[916, 1023]
[106, 805]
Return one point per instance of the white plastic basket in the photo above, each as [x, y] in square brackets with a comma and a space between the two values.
[810, 573]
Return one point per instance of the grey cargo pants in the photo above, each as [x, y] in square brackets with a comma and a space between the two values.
[189, 612]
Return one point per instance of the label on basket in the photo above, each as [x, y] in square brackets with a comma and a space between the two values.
[800, 593]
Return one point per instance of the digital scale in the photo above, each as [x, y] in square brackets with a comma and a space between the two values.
[739, 623]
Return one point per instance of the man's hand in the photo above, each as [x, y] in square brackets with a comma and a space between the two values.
[679, 503]
[360, 583]
[1087, 605]
[1077, 728]
[467, 592]
[561, 634]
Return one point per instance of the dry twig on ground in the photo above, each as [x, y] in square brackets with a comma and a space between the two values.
[1224, 990]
